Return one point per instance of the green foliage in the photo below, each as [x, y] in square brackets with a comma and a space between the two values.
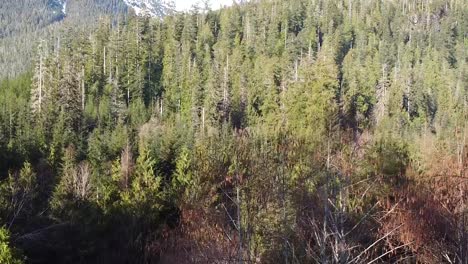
[8, 255]
[18, 193]
[389, 159]
[144, 196]
[359, 96]
[311, 105]
[270, 131]
[183, 177]
[105, 145]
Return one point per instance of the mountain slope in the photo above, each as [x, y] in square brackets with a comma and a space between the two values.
[26, 16]
[39, 19]
[154, 8]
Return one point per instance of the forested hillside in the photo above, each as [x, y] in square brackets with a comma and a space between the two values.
[299, 131]
[23, 23]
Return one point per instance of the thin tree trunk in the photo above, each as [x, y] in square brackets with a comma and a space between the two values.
[82, 89]
[239, 223]
[40, 82]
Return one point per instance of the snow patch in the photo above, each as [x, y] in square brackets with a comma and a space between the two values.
[153, 8]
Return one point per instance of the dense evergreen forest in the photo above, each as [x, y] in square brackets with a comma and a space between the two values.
[298, 131]
[23, 22]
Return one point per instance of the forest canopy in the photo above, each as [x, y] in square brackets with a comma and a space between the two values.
[299, 131]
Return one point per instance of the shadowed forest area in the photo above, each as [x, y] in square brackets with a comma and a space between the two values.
[299, 131]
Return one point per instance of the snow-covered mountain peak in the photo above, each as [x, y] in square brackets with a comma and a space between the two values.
[154, 8]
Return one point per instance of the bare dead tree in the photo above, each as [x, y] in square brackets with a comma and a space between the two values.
[127, 166]
[81, 180]
[21, 191]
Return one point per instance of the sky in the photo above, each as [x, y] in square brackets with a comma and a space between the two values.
[187, 4]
